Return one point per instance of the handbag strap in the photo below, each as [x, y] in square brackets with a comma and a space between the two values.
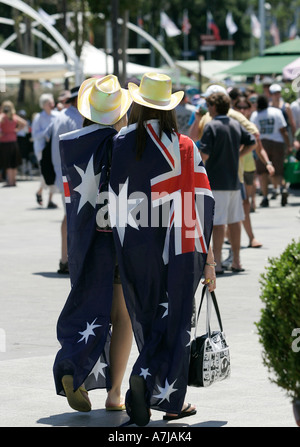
[211, 297]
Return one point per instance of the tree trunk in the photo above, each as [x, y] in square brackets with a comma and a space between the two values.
[115, 34]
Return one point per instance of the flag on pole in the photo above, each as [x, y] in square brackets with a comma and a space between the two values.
[231, 26]
[255, 26]
[212, 26]
[293, 31]
[169, 26]
[186, 26]
[274, 31]
[140, 22]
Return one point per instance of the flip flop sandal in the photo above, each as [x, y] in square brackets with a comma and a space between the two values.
[116, 407]
[184, 413]
[138, 410]
[76, 399]
[255, 246]
[237, 270]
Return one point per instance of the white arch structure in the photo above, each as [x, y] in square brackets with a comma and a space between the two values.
[6, 42]
[65, 46]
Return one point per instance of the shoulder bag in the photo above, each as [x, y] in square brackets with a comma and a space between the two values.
[210, 359]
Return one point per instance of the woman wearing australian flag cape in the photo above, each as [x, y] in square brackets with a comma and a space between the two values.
[161, 210]
[91, 355]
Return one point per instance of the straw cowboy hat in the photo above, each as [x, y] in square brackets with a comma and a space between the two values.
[103, 100]
[155, 91]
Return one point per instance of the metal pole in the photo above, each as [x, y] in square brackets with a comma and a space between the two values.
[262, 20]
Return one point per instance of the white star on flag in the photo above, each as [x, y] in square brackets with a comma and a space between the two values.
[190, 334]
[98, 369]
[88, 188]
[120, 210]
[166, 306]
[89, 331]
[165, 392]
[145, 372]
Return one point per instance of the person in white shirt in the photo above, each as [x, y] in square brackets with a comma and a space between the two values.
[272, 127]
[67, 120]
[39, 124]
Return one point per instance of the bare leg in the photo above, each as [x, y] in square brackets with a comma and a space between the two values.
[11, 176]
[120, 347]
[276, 181]
[50, 197]
[218, 239]
[235, 239]
[264, 181]
[248, 226]
[41, 187]
[64, 250]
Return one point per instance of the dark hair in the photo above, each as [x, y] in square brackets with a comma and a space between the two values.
[139, 114]
[221, 101]
[87, 122]
[234, 94]
[243, 100]
[262, 103]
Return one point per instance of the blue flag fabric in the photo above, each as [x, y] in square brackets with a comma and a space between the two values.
[83, 327]
[161, 209]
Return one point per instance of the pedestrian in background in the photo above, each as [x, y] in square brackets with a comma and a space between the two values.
[220, 150]
[275, 140]
[40, 123]
[10, 157]
[67, 120]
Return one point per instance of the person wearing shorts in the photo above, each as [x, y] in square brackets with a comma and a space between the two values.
[274, 137]
[220, 150]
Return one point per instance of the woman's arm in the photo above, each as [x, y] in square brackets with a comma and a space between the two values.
[209, 271]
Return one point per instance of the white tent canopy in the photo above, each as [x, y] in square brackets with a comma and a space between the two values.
[22, 66]
[96, 62]
[209, 68]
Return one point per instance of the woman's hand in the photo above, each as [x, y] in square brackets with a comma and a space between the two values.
[210, 277]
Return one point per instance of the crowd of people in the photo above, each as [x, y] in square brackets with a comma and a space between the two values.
[148, 141]
[274, 125]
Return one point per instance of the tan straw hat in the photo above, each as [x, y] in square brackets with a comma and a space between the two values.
[155, 91]
[103, 100]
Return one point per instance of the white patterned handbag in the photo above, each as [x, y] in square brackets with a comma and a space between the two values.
[210, 359]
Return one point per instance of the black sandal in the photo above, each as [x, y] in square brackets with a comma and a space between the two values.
[183, 414]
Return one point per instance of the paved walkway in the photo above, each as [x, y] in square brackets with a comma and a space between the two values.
[32, 296]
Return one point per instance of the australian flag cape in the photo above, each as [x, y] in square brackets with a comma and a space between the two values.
[161, 210]
[83, 327]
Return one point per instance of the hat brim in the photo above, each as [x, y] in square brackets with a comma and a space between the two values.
[89, 112]
[175, 99]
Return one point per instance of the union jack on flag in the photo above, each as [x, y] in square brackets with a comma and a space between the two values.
[179, 182]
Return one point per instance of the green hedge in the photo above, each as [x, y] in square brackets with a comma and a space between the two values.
[280, 293]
